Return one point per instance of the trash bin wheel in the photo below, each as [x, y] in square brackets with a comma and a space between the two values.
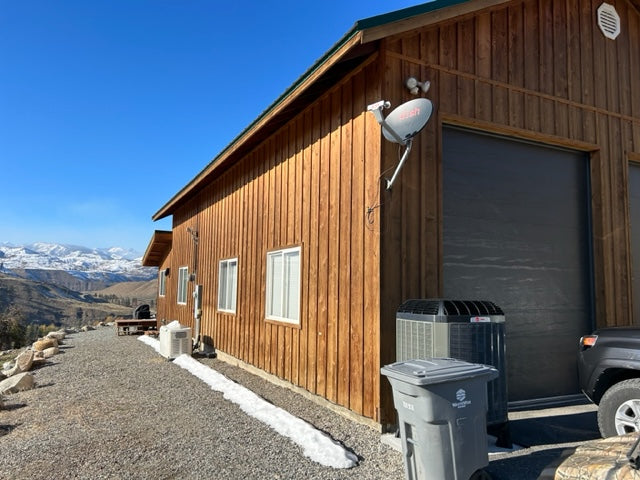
[480, 475]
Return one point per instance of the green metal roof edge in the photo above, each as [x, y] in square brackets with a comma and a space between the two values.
[405, 13]
[360, 25]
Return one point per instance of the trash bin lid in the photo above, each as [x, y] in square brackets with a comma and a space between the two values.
[436, 370]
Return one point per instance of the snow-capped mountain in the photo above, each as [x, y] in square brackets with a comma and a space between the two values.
[104, 265]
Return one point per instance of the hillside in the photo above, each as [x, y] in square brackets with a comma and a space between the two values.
[45, 303]
[137, 292]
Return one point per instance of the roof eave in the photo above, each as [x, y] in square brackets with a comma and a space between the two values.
[158, 248]
[393, 23]
[363, 32]
[338, 51]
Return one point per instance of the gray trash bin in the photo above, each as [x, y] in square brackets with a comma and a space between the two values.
[442, 415]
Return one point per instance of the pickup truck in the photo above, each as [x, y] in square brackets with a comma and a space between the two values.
[609, 375]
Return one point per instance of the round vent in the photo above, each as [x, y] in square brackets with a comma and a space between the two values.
[608, 21]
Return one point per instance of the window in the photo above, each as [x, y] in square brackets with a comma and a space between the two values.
[228, 285]
[283, 285]
[183, 277]
[162, 282]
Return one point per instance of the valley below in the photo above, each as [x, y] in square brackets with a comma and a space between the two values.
[46, 303]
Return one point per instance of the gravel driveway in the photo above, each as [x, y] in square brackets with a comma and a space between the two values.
[111, 407]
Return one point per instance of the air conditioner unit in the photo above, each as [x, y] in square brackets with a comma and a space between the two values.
[469, 330]
[175, 341]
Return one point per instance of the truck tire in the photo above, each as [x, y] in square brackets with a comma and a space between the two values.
[619, 409]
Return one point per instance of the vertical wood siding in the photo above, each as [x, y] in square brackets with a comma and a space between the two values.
[538, 69]
[308, 185]
[541, 70]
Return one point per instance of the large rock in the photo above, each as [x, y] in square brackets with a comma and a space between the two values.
[24, 361]
[17, 383]
[59, 335]
[38, 357]
[44, 344]
[50, 352]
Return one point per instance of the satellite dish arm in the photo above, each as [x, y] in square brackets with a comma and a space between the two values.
[376, 109]
[407, 150]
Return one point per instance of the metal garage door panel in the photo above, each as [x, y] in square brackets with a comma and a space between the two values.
[634, 212]
[516, 232]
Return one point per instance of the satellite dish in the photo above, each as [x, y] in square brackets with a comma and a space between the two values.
[401, 125]
[406, 120]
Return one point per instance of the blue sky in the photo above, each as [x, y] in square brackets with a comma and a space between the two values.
[109, 107]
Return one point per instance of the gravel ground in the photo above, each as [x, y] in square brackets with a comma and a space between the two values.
[111, 407]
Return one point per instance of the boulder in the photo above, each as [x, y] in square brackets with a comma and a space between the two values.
[24, 361]
[50, 352]
[38, 357]
[11, 372]
[17, 383]
[44, 343]
[59, 335]
[87, 328]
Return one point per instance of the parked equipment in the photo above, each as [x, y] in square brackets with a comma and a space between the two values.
[142, 312]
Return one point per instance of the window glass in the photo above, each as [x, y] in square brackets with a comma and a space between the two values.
[283, 285]
[183, 278]
[228, 285]
[162, 282]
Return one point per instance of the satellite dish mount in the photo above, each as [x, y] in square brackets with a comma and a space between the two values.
[402, 124]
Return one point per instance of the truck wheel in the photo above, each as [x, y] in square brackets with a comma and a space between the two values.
[619, 409]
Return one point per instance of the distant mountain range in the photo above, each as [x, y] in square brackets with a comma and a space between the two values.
[70, 285]
[77, 268]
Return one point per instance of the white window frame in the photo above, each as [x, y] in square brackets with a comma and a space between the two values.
[162, 283]
[283, 285]
[228, 285]
[183, 279]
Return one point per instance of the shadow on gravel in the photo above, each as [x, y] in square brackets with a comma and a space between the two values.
[15, 406]
[7, 429]
[44, 385]
[40, 366]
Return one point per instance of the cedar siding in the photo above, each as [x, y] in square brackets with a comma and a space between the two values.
[536, 70]
[304, 186]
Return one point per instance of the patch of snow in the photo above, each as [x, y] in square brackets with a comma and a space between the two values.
[315, 444]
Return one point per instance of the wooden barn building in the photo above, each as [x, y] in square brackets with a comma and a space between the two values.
[523, 189]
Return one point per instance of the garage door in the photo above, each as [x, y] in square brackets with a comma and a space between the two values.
[634, 210]
[516, 232]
